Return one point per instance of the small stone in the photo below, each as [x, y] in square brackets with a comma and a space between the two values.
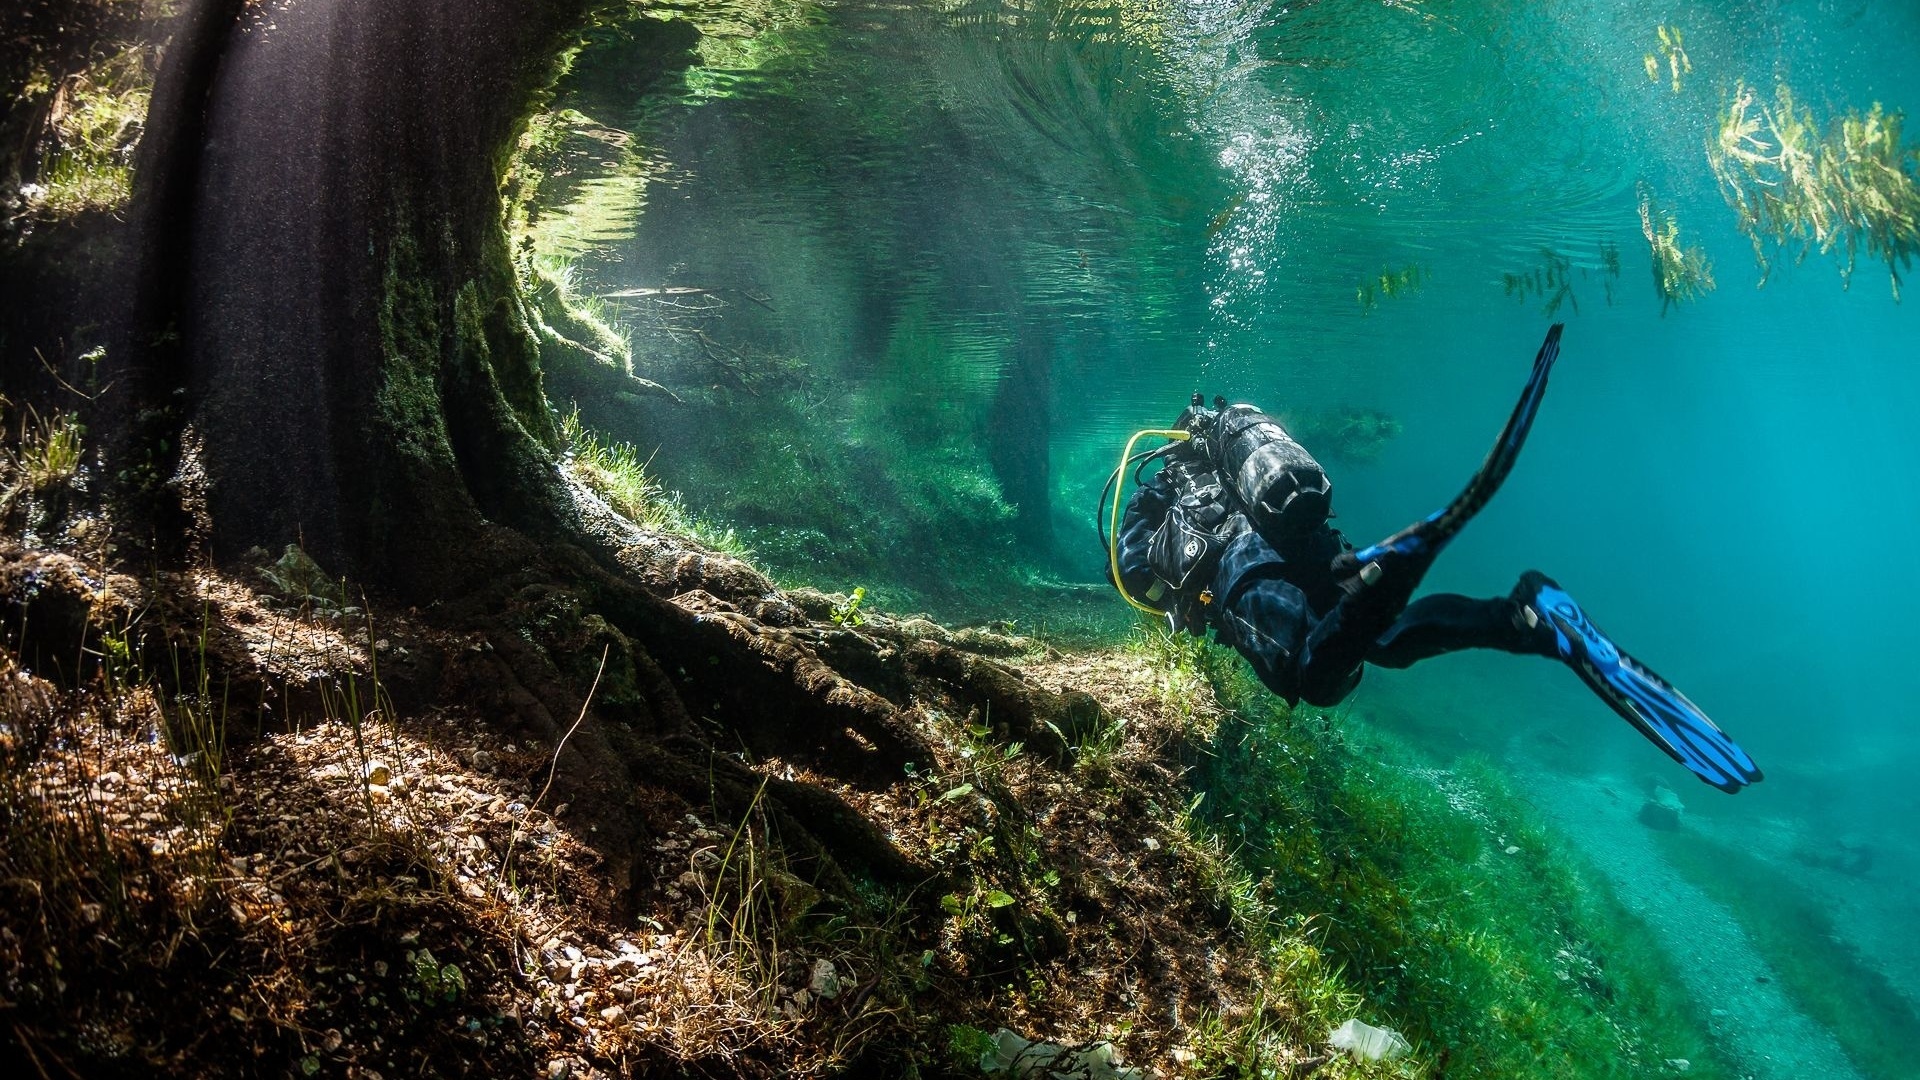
[826, 981]
[1152, 844]
[1655, 814]
[482, 760]
[1513, 849]
[558, 1069]
[378, 772]
[612, 1013]
[1679, 1065]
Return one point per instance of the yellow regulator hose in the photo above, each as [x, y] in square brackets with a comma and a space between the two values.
[1119, 489]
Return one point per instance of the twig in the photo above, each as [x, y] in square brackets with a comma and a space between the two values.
[506, 860]
[554, 768]
[64, 384]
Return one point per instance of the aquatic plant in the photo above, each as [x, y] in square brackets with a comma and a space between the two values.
[1551, 279]
[1348, 432]
[617, 473]
[1849, 188]
[1679, 274]
[1673, 50]
[1440, 897]
[1389, 284]
[94, 119]
[848, 613]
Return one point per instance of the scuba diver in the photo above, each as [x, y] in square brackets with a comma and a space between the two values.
[1231, 533]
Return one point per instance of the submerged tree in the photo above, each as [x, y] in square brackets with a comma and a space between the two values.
[1852, 187]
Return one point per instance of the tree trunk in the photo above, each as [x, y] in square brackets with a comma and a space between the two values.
[354, 349]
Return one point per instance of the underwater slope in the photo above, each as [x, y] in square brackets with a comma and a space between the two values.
[1760, 1023]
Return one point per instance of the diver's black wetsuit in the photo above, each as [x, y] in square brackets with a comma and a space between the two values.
[1306, 636]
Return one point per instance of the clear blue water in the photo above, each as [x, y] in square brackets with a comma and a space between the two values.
[1168, 196]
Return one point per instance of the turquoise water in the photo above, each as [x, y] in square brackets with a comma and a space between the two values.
[941, 238]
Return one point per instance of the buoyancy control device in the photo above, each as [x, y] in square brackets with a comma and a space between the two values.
[1222, 460]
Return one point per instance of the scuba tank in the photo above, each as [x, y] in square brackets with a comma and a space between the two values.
[1282, 488]
[1220, 460]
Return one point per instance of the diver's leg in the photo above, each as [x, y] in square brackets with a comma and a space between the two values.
[1402, 559]
[1449, 622]
[1340, 642]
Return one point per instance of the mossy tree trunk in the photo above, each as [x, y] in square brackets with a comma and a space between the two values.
[322, 201]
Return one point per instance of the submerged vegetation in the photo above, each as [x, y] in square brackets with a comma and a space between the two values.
[1389, 284]
[616, 472]
[1679, 274]
[1551, 281]
[1440, 898]
[1850, 188]
[79, 105]
[1348, 433]
[1673, 51]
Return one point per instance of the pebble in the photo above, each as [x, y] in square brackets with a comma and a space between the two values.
[378, 772]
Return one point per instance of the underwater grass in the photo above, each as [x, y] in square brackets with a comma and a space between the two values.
[95, 120]
[1442, 901]
[616, 472]
[1872, 1021]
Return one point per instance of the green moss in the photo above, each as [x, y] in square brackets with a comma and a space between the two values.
[1826, 977]
[407, 403]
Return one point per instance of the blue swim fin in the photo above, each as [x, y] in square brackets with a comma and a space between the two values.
[1417, 544]
[1647, 701]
